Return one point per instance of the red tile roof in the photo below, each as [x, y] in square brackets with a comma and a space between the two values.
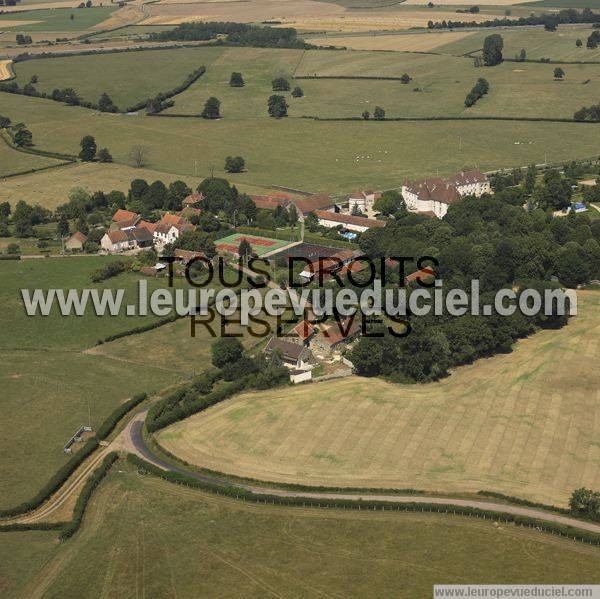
[187, 255]
[349, 219]
[192, 199]
[424, 273]
[121, 215]
[78, 236]
[348, 328]
[304, 330]
[172, 219]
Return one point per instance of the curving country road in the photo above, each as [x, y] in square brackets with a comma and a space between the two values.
[133, 441]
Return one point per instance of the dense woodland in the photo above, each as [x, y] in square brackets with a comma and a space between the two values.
[240, 34]
[492, 239]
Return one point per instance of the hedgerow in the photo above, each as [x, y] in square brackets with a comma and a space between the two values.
[229, 490]
[57, 480]
[86, 493]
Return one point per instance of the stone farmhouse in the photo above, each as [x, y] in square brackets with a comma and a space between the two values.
[433, 196]
[362, 200]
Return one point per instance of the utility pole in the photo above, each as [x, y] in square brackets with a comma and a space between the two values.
[460, 144]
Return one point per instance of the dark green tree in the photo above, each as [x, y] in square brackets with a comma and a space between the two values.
[235, 164]
[105, 104]
[297, 92]
[277, 106]
[62, 227]
[492, 50]
[88, 148]
[236, 80]
[212, 109]
[226, 350]
[280, 84]
[104, 155]
[379, 113]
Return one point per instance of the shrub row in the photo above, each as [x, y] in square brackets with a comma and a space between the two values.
[445, 118]
[525, 502]
[10, 257]
[148, 327]
[112, 269]
[317, 239]
[76, 459]
[241, 493]
[109, 424]
[359, 77]
[281, 235]
[32, 526]
[479, 90]
[173, 409]
[57, 480]
[88, 490]
[191, 78]
[70, 97]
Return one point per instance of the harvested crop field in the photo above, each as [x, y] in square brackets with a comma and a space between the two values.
[5, 70]
[525, 424]
[419, 42]
[240, 12]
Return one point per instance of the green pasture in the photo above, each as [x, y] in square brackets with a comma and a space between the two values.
[304, 154]
[58, 19]
[143, 536]
[557, 45]
[127, 77]
[13, 161]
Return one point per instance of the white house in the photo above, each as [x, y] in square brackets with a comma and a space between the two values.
[433, 196]
[169, 228]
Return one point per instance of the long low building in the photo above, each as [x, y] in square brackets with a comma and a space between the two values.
[348, 221]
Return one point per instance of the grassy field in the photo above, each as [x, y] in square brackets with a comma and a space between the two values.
[525, 424]
[174, 348]
[398, 42]
[126, 77]
[12, 161]
[259, 66]
[51, 188]
[143, 536]
[54, 331]
[556, 45]
[56, 19]
[46, 394]
[326, 156]
[47, 381]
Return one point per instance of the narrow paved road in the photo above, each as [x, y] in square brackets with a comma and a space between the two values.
[134, 442]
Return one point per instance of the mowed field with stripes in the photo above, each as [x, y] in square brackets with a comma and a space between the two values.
[525, 424]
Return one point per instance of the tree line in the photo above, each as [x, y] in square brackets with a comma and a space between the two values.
[549, 21]
[240, 34]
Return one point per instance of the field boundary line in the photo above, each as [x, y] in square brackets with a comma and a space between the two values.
[354, 500]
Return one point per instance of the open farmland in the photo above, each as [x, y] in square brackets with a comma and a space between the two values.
[45, 399]
[13, 161]
[555, 45]
[50, 188]
[127, 77]
[398, 42]
[524, 424]
[48, 381]
[56, 19]
[347, 154]
[317, 552]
